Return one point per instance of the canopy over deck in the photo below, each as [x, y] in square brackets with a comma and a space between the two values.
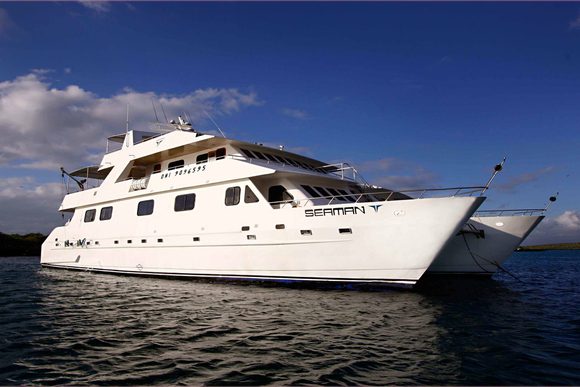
[91, 172]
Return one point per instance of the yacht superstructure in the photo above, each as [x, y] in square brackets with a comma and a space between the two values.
[189, 204]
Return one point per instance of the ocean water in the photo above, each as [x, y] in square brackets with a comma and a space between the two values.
[61, 327]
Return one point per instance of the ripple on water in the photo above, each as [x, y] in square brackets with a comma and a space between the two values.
[59, 327]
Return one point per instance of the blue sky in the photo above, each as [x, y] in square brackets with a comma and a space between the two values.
[415, 94]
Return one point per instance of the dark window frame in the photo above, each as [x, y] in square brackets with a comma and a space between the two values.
[232, 197]
[90, 215]
[250, 196]
[106, 213]
[175, 165]
[145, 207]
[185, 202]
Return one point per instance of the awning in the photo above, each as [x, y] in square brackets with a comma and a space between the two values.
[91, 172]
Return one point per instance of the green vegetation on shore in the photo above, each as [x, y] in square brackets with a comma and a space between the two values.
[555, 246]
[12, 245]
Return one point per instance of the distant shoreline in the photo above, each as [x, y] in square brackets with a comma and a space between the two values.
[553, 246]
[15, 245]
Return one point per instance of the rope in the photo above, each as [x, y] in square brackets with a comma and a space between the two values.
[495, 263]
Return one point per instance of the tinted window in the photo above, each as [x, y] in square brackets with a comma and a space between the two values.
[90, 215]
[322, 191]
[334, 192]
[249, 196]
[145, 208]
[270, 157]
[202, 158]
[106, 213]
[311, 191]
[260, 156]
[278, 193]
[346, 196]
[157, 168]
[184, 202]
[220, 153]
[248, 153]
[176, 164]
[232, 196]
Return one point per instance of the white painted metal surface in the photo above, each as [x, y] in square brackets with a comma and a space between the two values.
[484, 243]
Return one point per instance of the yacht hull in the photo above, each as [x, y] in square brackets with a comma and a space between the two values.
[391, 243]
[480, 249]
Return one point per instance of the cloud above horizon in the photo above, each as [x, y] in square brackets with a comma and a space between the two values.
[525, 178]
[295, 113]
[97, 6]
[27, 205]
[44, 127]
[409, 175]
[559, 229]
[5, 21]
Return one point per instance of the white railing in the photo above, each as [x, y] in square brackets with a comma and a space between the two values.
[516, 212]
[381, 196]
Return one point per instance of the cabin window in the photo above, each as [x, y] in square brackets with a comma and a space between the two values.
[157, 168]
[335, 193]
[106, 213]
[322, 191]
[90, 215]
[278, 159]
[248, 153]
[346, 195]
[145, 207]
[184, 202]
[260, 156]
[176, 164]
[278, 193]
[270, 157]
[249, 195]
[232, 196]
[220, 153]
[311, 191]
[201, 158]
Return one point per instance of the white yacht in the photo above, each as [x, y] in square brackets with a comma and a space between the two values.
[187, 204]
[486, 241]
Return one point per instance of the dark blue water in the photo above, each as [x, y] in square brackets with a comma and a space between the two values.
[61, 327]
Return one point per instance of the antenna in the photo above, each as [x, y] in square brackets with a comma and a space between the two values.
[154, 110]
[497, 169]
[164, 115]
[216, 125]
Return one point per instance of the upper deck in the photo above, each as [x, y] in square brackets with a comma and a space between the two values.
[148, 162]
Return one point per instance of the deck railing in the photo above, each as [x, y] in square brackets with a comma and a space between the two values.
[380, 196]
[516, 212]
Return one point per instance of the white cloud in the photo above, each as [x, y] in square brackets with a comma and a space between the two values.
[295, 113]
[5, 22]
[45, 127]
[29, 206]
[97, 5]
[560, 229]
[516, 181]
[408, 175]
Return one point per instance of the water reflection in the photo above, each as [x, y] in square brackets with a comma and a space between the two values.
[63, 327]
[123, 330]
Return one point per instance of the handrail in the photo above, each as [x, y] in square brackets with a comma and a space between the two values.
[514, 212]
[374, 196]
